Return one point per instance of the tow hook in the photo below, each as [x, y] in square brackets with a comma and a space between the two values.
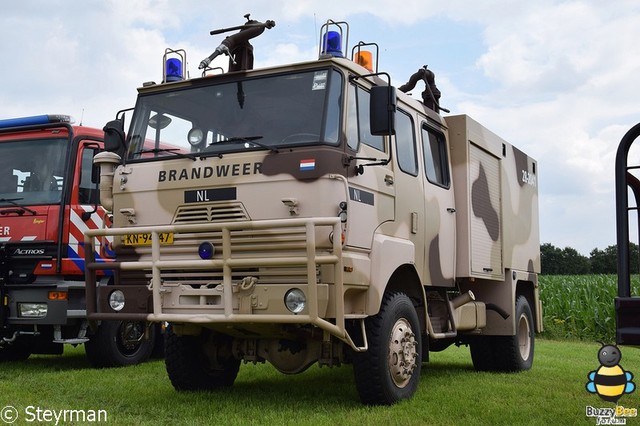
[10, 340]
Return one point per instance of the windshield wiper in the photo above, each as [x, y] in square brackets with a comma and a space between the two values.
[248, 140]
[166, 150]
[20, 210]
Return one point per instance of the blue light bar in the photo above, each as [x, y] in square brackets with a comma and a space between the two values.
[34, 120]
[332, 44]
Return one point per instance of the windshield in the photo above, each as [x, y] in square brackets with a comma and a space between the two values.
[269, 112]
[32, 171]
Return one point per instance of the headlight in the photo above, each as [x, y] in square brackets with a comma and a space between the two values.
[195, 136]
[116, 300]
[295, 300]
[32, 310]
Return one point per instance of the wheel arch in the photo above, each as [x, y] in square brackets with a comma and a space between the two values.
[529, 289]
[405, 280]
[392, 262]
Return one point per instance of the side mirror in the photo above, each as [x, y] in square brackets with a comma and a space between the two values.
[114, 137]
[382, 110]
[95, 174]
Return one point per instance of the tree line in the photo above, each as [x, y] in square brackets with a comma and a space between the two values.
[567, 261]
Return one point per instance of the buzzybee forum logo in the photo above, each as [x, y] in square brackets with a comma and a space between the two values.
[610, 382]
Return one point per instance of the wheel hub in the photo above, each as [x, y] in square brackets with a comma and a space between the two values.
[524, 337]
[403, 352]
[131, 335]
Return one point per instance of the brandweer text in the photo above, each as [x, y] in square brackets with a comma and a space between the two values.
[221, 170]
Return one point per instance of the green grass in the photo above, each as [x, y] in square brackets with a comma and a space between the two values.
[577, 308]
[580, 306]
[450, 392]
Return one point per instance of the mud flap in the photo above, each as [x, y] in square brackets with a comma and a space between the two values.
[4, 306]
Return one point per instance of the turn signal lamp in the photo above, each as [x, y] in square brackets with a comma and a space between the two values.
[174, 69]
[332, 44]
[58, 295]
[364, 58]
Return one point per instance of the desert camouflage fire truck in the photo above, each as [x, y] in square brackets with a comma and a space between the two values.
[48, 199]
[316, 214]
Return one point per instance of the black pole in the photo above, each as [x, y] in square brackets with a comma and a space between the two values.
[622, 211]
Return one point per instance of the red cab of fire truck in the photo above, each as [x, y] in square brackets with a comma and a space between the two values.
[48, 199]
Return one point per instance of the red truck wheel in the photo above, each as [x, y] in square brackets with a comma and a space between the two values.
[120, 343]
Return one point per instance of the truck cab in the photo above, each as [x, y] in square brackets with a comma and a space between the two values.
[315, 213]
[48, 198]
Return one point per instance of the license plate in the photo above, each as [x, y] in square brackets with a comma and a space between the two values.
[145, 239]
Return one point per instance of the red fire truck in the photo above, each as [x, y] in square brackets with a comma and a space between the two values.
[48, 199]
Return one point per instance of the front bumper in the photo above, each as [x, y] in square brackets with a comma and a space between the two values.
[19, 298]
[255, 264]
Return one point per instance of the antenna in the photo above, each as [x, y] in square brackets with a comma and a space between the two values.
[81, 117]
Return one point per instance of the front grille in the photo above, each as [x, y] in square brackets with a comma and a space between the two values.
[213, 278]
[214, 212]
[244, 244]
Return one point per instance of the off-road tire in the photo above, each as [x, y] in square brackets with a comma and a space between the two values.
[109, 348]
[202, 362]
[393, 336]
[158, 343]
[14, 353]
[507, 353]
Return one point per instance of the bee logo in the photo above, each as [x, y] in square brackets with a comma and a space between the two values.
[610, 381]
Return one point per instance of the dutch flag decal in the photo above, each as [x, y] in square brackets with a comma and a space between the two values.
[307, 165]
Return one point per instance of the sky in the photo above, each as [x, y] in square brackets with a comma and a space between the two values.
[558, 79]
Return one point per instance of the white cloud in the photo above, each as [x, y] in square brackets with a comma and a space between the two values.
[555, 77]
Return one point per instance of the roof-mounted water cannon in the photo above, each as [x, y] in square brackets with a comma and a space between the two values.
[332, 35]
[431, 94]
[365, 57]
[174, 65]
[237, 46]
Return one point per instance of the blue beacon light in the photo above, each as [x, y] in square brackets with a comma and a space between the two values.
[206, 250]
[174, 69]
[332, 43]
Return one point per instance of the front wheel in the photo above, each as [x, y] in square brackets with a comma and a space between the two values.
[203, 362]
[120, 343]
[507, 353]
[14, 353]
[390, 369]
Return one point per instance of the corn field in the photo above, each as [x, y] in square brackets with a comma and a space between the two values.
[580, 306]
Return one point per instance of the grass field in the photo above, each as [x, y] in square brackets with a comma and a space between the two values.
[578, 309]
[450, 393]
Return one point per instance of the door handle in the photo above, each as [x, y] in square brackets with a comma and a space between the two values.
[388, 179]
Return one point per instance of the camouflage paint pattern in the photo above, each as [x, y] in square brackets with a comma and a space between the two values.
[401, 231]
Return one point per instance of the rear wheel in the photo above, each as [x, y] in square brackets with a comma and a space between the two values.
[507, 353]
[390, 369]
[120, 343]
[203, 362]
